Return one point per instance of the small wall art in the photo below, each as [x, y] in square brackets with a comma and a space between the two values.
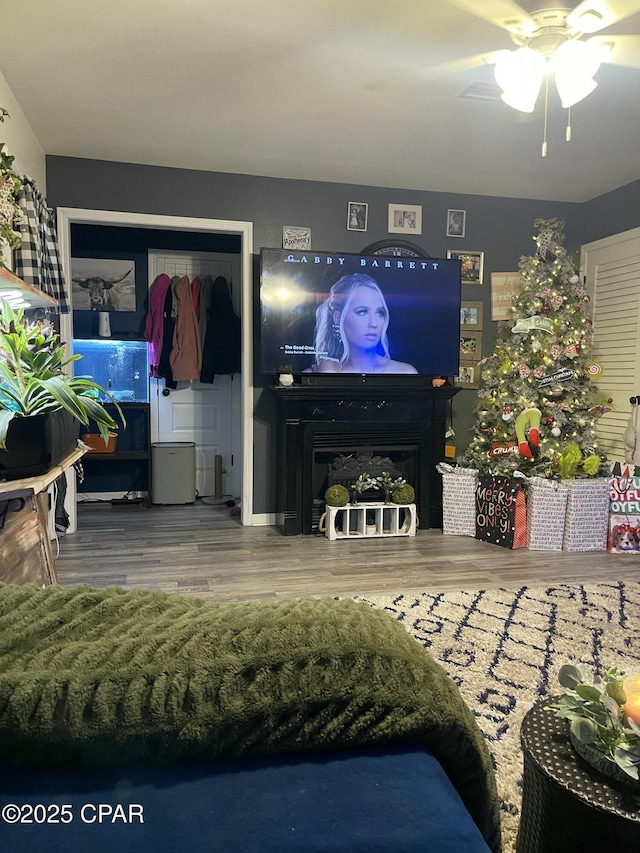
[456, 223]
[472, 265]
[103, 284]
[405, 219]
[469, 376]
[504, 286]
[357, 215]
[470, 316]
[470, 345]
[296, 237]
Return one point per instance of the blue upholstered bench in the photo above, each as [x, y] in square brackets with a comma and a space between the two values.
[393, 798]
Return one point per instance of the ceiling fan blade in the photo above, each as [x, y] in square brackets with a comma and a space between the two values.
[506, 14]
[590, 16]
[623, 50]
[421, 76]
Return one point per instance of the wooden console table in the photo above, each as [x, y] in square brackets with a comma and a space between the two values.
[25, 550]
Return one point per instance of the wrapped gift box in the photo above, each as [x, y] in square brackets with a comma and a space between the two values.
[587, 518]
[458, 500]
[501, 510]
[546, 509]
[624, 515]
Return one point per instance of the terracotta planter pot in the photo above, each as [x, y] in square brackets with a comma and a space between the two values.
[38, 443]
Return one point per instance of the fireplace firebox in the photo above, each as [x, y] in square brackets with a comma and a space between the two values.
[316, 424]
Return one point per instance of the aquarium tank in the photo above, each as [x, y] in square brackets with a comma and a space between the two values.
[119, 366]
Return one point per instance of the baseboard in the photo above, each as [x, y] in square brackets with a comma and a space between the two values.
[106, 497]
[264, 519]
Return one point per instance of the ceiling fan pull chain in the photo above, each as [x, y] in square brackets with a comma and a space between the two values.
[546, 112]
[568, 133]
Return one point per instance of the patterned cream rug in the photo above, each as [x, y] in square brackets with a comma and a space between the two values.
[504, 647]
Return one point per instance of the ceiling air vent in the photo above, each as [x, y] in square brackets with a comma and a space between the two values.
[482, 92]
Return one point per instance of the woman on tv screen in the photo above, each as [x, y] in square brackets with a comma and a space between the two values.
[351, 330]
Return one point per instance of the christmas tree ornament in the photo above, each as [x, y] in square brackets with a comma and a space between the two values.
[593, 369]
[528, 418]
[535, 345]
[506, 413]
[524, 371]
[556, 432]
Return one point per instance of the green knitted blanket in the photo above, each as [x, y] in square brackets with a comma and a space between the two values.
[89, 675]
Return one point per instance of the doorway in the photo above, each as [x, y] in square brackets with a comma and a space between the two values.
[69, 216]
[205, 414]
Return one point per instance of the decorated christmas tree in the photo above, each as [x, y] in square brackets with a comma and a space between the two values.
[538, 402]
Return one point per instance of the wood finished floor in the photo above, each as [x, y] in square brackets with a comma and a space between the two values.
[202, 550]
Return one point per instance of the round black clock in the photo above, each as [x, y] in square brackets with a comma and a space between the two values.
[395, 248]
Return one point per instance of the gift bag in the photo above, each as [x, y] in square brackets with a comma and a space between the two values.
[624, 515]
[501, 511]
[458, 500]
[587, 519]
[546, 509]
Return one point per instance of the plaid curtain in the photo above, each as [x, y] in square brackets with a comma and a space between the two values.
[37, 261]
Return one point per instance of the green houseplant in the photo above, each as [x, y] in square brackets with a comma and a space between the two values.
[33, 381]
[603, 713]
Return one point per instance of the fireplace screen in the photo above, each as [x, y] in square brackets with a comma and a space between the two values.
[343, 465]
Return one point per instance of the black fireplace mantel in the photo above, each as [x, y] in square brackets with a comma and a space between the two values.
[362, 412]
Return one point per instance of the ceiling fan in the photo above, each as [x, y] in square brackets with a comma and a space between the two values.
[558, 41]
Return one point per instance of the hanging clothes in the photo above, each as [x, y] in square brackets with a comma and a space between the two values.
[206, 292]
[168, 328]
[154, 323]
[222, 348]
[186, 353]
[195, 295]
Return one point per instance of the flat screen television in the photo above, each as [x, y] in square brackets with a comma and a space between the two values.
[331, 314]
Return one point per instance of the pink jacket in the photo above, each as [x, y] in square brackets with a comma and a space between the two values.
[154, 325]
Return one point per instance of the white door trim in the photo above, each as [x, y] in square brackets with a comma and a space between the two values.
[70, 215]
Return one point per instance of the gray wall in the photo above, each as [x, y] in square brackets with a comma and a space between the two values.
[612, 213]
[502, 228]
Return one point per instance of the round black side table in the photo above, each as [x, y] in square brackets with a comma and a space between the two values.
[568, 806]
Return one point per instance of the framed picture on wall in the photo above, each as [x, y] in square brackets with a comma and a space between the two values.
[405, 219]
[472, 265]
[469, 376]
[470, 316]
[357, 215]
[103, 284]
[470, 345]
[456, 223]
[504, 286]
[296, 237]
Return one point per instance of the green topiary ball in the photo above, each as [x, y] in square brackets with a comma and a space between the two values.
[404, 495]
[336, 496]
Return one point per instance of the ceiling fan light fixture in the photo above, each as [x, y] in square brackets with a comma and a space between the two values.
[580, 58]
[573, 88]
[575, 63]
[519, 73]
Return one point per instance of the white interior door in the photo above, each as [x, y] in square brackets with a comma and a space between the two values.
[202, 413]
[612, 274]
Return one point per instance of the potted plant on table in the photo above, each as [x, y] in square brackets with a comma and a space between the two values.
[41, 406]
[285, 375]
[604, 718]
